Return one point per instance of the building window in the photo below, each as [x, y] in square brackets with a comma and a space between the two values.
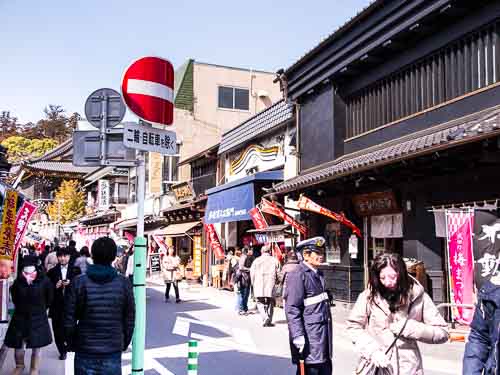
[170, 171]
[462, 67]
[233, 98]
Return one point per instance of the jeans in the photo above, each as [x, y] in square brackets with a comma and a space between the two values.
[110, 365]
[243, 298]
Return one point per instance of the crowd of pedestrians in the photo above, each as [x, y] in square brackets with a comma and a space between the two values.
[90, 304]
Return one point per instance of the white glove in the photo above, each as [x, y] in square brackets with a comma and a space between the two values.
[299, 343]
[379, 359]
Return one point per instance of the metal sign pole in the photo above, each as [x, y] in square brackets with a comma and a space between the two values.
[139, 339]
[104, 125]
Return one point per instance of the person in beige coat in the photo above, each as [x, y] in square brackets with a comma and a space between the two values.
[171, 273]
[263, 273]
[394, 302]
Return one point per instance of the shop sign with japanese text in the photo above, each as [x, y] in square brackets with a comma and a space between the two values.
[8, 230]
[183, 191]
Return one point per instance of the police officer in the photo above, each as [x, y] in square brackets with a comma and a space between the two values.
[308, 311]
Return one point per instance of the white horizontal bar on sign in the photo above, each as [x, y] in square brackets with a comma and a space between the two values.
[139, 86]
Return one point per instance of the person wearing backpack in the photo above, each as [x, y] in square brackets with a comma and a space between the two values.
[390, 317]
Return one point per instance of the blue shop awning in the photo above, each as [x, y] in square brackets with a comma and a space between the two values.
[232, 201]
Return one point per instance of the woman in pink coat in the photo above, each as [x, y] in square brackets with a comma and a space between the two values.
[394, 302]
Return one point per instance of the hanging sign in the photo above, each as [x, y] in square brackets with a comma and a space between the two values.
[377, 203]
[308, 205]
[258, 219]
[197, 256]
[103, 193]
[459, 238]
[24, 216]
[213, 240]
[8, 230]
[272, 208]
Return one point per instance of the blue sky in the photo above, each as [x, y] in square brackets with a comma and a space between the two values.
[58, 52]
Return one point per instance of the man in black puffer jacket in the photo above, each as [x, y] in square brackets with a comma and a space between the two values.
[99, 314]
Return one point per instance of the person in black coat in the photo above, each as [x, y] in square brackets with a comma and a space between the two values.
[99, 314]
[32, 294]
[61, 276]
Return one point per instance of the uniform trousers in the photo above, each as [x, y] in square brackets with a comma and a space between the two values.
[324, 368]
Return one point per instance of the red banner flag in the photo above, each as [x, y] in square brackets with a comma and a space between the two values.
[213, 240]
[272, 208]
[308, 205]
[24, 216]
[459, 233]
[258, 219]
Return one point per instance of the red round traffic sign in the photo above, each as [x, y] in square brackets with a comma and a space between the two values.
[148, 89]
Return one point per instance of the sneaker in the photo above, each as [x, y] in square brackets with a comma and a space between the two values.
[177, 300]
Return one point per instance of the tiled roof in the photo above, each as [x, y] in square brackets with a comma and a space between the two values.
[60, 167]
[268, 119]
[476, 126]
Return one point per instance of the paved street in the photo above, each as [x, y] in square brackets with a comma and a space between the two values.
[229, 343]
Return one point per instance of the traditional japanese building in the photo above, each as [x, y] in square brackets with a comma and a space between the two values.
[398, 117]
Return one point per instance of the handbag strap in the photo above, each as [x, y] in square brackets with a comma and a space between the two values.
[400, 332]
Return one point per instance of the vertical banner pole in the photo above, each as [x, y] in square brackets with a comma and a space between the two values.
[139, 339]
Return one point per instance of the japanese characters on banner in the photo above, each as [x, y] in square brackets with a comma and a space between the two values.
[272, 208]
[103, 199]
[308, 205]
[8, 230]
[459, 226]
[24, 216]
[213, 240]
[197, 255]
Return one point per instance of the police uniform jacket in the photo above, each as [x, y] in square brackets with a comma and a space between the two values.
[308, 314]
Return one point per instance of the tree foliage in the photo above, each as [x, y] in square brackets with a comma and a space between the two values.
[69, 202]
[56, 124]
[20, 148]
[8, 125]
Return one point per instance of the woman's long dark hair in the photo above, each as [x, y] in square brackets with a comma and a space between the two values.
[398, 297]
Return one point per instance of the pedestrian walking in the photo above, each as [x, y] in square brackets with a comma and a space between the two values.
[61, 276]
[391, 316]
[51, 259]
[83, 260]
[129, 271]
[291, 265]
[29, 327]
[263, 273]
[308, 313]
[481, 350]
[73, 253]
[99, 314]
[235, 277]
[171, 273]
[244, 265]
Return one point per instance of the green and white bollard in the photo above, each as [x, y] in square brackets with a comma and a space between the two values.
[193, 358]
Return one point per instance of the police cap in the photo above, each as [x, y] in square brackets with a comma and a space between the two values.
[316, 244]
